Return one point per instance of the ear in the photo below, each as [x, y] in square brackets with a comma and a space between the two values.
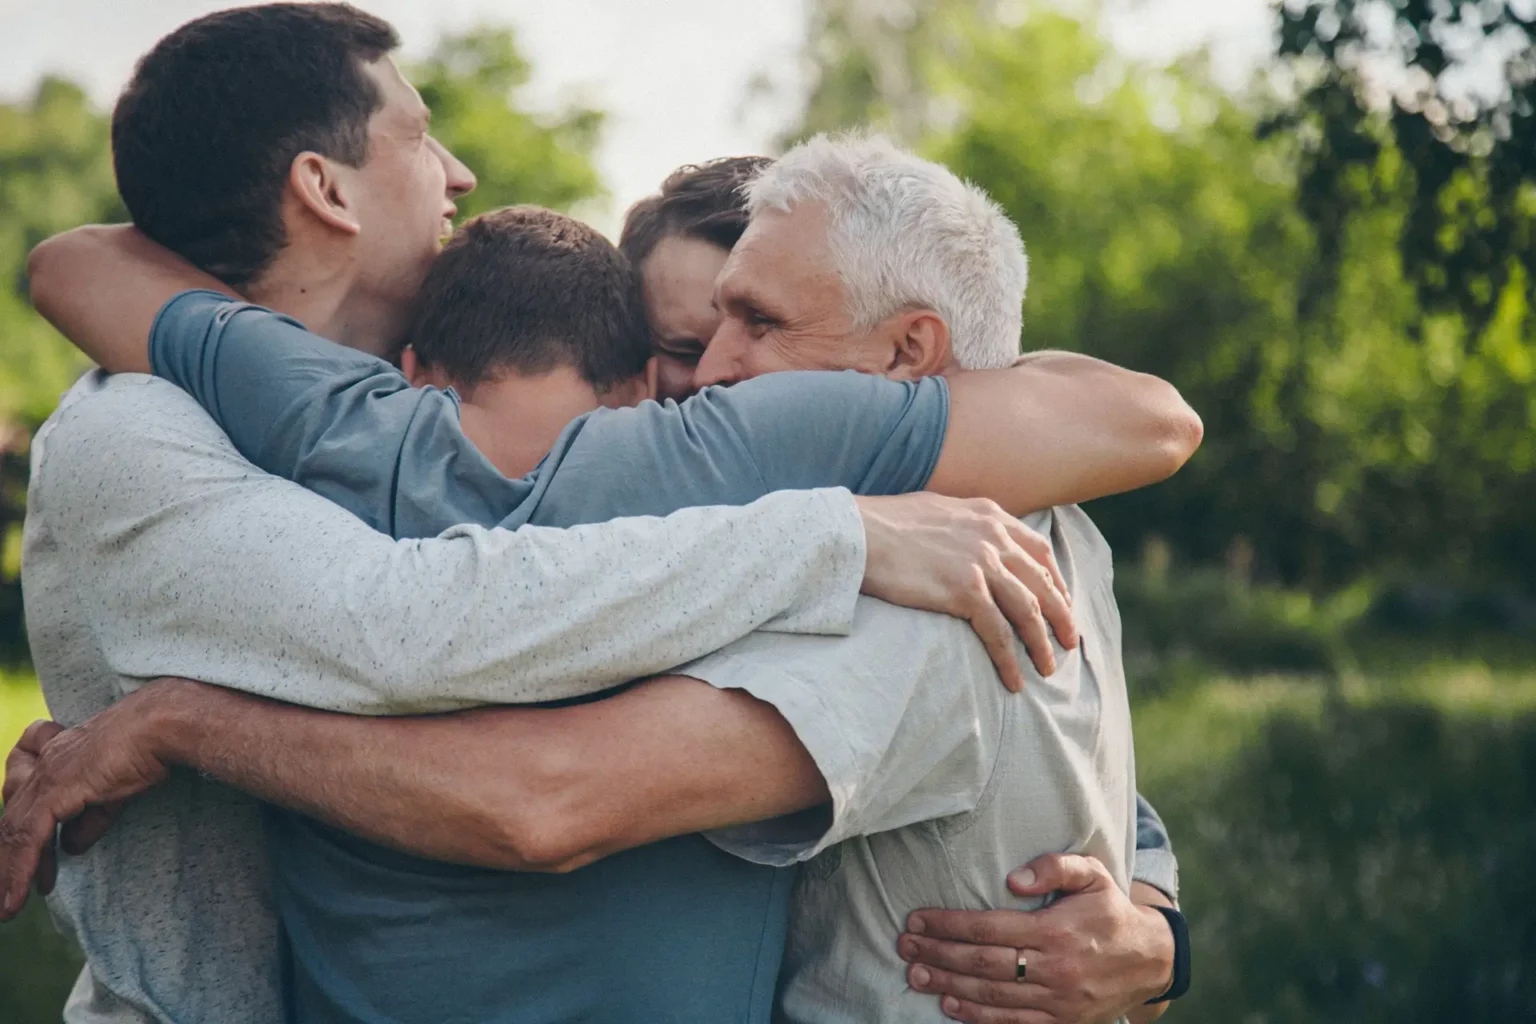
[652, 378]
[637, 389]
[321, 188]
[921, 346]
[410, 366]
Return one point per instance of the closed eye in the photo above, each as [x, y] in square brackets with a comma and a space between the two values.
[687, 350]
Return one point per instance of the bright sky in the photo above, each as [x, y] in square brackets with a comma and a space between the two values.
[673, 74]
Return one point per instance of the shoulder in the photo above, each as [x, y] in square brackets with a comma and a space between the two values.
[129, 435]
[796, 389]
[128, 411]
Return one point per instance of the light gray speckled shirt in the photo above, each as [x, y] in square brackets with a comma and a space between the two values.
[151, 547]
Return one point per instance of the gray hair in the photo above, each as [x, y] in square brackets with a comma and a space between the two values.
[906, 233]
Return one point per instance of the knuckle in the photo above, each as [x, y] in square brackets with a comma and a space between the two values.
[993, 993]
[977, 962]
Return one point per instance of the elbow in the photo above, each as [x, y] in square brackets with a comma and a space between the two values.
[43, 275]
[1185, 432]
[56, 266]
[550, 825]
[1175, 430]
[545, 847]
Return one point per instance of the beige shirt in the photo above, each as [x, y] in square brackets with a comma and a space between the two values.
[151, 547]
[942, 782]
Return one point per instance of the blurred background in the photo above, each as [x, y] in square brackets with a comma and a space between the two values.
[1316, 218]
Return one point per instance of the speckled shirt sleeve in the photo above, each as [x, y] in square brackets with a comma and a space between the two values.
[204, 567]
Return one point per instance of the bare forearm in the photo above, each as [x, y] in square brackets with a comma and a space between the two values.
[520, 788]
[1060, 428]
[101, 286]
[413, 783]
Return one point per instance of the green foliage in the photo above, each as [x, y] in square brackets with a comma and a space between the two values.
[1192, 625]
[38, 966]
[55, 173]
[1470, 166]
[1347, 430]
[471, 83]
[1368, 864]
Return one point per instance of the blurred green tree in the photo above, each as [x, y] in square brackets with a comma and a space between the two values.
[55, 173]
[471, 83]
[1347, 431]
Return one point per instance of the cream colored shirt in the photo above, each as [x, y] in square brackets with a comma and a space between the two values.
[942, 782]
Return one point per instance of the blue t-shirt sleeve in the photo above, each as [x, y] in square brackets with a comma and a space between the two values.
[343, 423]
[731, 446]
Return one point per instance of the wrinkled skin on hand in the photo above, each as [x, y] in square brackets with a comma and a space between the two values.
[75, 778]
[1093, 955]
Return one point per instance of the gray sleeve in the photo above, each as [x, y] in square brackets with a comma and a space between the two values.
[1155, 863]
[342, 423]
[903, 718]
[201, 566]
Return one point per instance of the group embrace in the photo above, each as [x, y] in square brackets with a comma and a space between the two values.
[532, 629]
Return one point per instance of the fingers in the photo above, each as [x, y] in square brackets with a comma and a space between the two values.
[974, 1013]
[37, 735]
[1052, 589]
[1059, 872]
[1022, 608]
[22, 760]
[80, 834]
[997, 635]
[47, 872]
[1012, 929]
[995, 963]
[1008, 995]
[25, 834]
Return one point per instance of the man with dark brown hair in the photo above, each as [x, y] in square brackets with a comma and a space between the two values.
[678, 240]
[533, 318]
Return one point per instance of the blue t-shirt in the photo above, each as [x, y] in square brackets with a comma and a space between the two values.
[676, 931]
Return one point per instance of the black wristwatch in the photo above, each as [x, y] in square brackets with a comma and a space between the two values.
[1180, 955]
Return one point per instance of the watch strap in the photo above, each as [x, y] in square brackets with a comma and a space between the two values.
[1180, 955]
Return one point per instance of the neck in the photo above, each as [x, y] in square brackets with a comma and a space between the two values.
[515, 419]
[320, 290]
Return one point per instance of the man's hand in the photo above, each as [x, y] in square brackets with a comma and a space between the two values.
[1092, 956]
[77, 778]
[970, 559]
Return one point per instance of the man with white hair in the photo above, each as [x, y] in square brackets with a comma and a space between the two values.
[861, 254]
[914, 249]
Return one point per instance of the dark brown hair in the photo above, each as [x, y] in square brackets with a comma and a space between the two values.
[208, 127]
[528, 289]
[701, 201]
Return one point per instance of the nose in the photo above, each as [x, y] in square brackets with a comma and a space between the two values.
[460, 179]
[720, 362]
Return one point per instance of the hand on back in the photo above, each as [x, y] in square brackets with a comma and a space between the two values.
[970, 559]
